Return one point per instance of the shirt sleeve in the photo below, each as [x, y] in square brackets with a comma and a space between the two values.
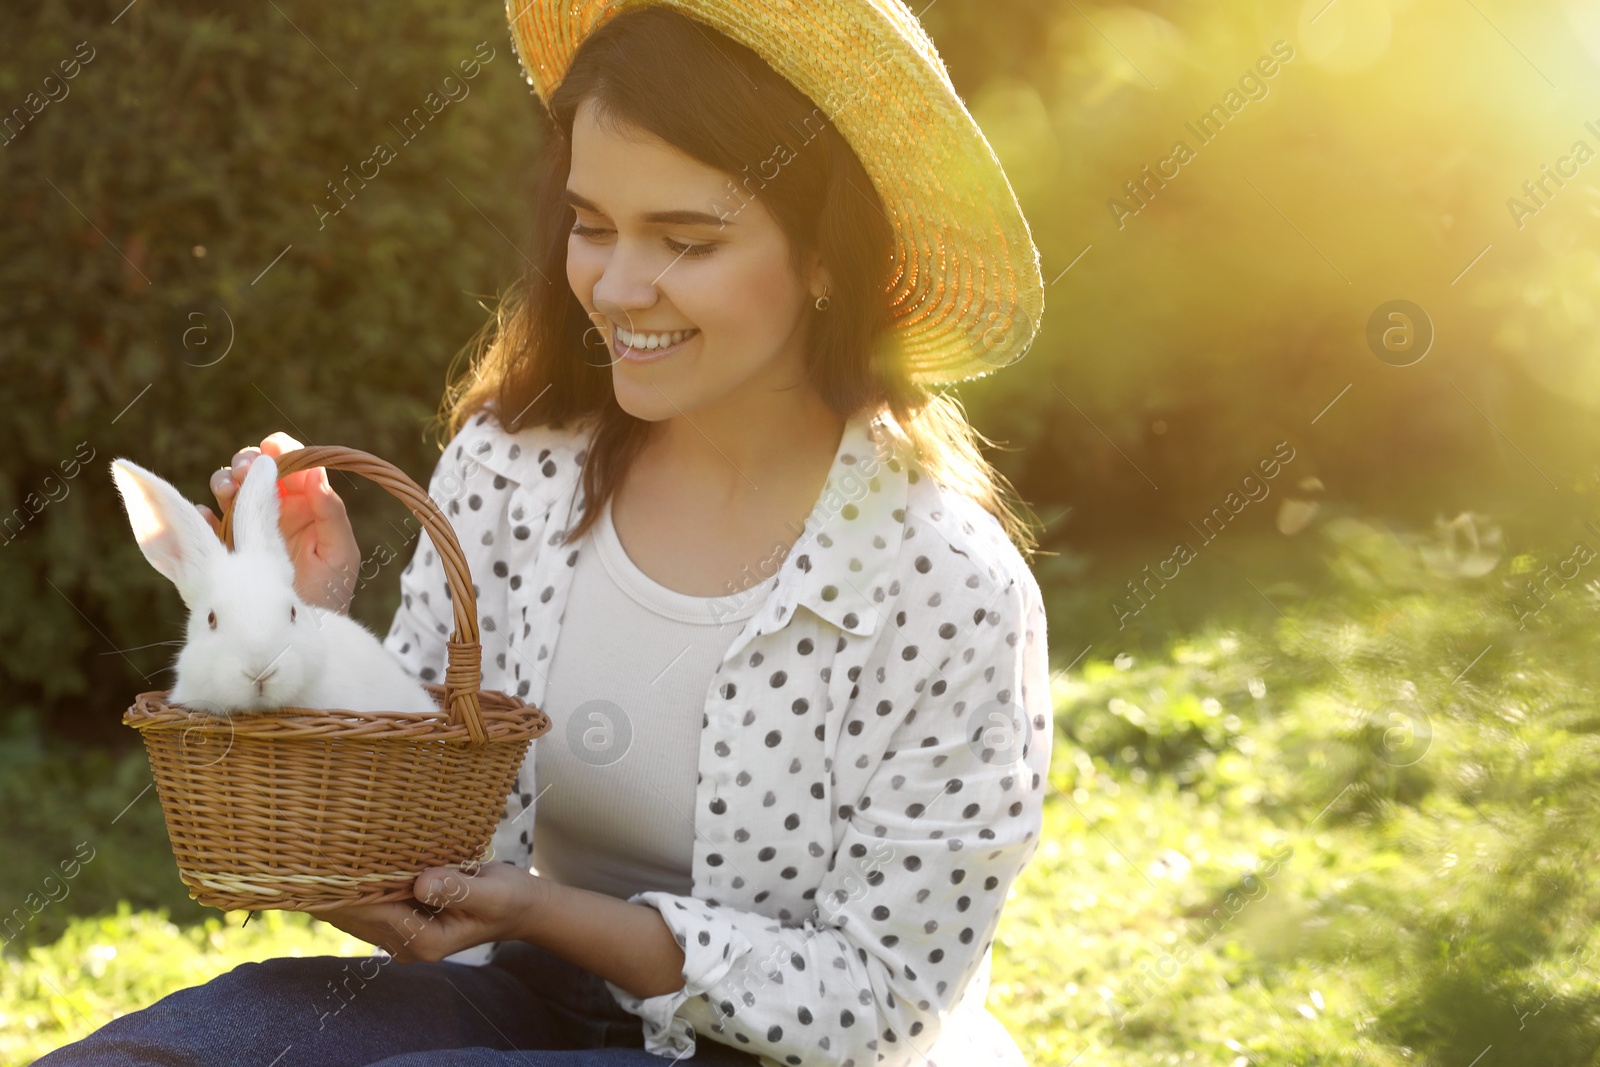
[908, 909]
[425, 618]
[419, 634]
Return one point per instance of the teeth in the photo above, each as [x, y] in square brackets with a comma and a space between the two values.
[646, 342]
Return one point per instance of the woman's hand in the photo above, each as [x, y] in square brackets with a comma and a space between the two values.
[622, 942]
[313, 520]
[492, 905]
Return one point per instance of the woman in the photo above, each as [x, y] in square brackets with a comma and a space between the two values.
[786, 832]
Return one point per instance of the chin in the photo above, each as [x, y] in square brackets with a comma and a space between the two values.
[646, 404]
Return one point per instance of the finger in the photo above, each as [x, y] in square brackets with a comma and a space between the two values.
[373, 930]
[211, 519]
[241, 466]
[223, 486]
[363, 913]
[325, 503]
[393, 940]
[384, 937]
[276, 444]
[429, 889]
[443, 887]
[296, 484]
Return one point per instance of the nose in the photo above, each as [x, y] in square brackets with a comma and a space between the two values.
[628, 283]
[260, 678]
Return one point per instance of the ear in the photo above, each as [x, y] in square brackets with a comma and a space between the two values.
[818, 278]
[170, 532]
[255, 513]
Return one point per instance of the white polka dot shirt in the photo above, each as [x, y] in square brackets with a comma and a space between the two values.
[873, 748]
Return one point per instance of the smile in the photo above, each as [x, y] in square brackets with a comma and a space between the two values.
[645, 347]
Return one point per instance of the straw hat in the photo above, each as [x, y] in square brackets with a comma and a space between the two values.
[968, 293]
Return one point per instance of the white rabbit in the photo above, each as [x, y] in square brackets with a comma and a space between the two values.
[252, 643]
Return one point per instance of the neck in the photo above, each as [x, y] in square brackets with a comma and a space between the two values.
[735, 450]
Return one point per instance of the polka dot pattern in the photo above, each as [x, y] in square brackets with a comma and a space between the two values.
[874, 748]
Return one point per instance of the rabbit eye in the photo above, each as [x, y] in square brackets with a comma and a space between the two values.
[212, 619]
[291, 613]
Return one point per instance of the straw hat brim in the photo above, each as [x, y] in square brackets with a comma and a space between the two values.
[967, 294]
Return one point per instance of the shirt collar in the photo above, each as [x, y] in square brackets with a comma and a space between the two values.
[525, 457]
[842, 565]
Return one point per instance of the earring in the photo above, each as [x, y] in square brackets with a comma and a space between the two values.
[823, 302]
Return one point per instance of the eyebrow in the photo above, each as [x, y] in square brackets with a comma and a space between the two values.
[670, 218]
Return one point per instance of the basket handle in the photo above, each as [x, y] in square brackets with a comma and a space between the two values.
[462, 674]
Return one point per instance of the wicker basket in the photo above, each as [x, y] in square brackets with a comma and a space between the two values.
[297, 809]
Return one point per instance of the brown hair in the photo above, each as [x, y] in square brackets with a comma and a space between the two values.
[720, 103]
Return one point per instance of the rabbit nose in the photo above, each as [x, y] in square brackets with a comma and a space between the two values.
[261, 678]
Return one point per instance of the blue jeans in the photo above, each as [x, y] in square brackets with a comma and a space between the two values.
[525, 1007]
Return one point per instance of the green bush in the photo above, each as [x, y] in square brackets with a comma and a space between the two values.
[177, 204]
[1232, 309]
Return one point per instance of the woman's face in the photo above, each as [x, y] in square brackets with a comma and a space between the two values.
[663, 248]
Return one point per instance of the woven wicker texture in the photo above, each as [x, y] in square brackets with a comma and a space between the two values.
[298, 809]
[967, 294]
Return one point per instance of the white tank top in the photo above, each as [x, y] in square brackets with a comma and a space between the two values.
[626, 694]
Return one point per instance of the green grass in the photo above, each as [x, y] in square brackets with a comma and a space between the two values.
[1434, 769]
[108, 965]
[1327, 804]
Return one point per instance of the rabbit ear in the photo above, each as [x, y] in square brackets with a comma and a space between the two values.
[170, 532]
[255, 513]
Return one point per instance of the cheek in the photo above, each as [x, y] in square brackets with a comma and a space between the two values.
[750, 299]
[584, 268]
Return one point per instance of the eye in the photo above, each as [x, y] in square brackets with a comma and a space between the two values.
[212, 619]
[677, 247]
[291, 613]
[691, 251]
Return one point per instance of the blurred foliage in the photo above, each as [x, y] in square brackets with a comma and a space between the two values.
[1232, 309]
[175, 291]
